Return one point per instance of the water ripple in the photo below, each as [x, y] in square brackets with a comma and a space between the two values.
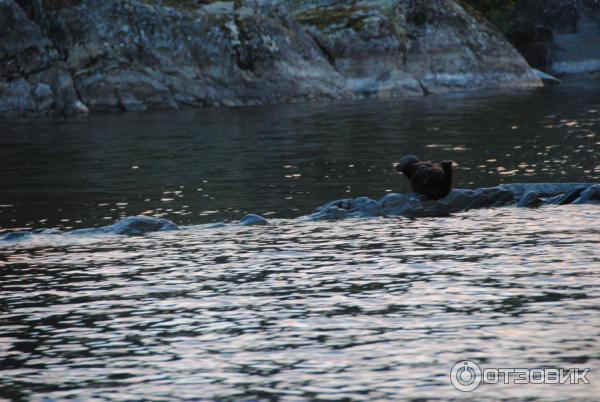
[362, 309]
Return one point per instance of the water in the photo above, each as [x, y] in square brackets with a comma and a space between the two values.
[370, 309]
[283, 161]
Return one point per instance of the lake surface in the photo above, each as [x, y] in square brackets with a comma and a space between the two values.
[363, 309]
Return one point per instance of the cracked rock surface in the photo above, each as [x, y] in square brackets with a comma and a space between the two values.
[71, 56]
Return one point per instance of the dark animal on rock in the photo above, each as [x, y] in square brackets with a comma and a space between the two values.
[433, 180]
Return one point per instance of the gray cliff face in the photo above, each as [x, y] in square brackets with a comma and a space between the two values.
[32, 76]
[398, 48]
[558, 36]
[66, 56]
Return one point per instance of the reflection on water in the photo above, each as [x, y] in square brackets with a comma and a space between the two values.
[373, 309]
[362, 309]
[283, 161]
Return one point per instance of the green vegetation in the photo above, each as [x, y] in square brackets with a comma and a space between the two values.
[498, 12]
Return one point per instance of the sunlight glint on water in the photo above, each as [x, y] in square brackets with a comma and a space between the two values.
[361, 309]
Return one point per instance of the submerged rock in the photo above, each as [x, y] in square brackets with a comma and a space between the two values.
[415, 205]
[252, 219]
[130, 226]
[26, 234]
[52, 231]
[73, 56]
[15, 236]
[137, 225]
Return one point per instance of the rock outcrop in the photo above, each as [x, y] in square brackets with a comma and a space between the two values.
[558, 36]
[67, 56]
[253, 219]
[33, 77]
[416, 205]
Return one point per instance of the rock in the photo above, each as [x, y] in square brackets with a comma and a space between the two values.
[331, 213]
[358, 207]
[365, 43]
[137, 225]
[42, 95]
[530, 199]
[547, 79]
[78, 107]
[204, 226]
[140, 55]
[545, 190]
[458, 200]
[252, 219]
[71, 56]
[566, 198]
[416, 205]
[559, 36]
[130, 226]
[591, 195]
[87, 232]
[26, 235]
[491, 197]
[51, 231]
[367, 207]
[23, 45]
[395, 204]
[16, 97]
[15, 236]
[33, 77]
[394, 48]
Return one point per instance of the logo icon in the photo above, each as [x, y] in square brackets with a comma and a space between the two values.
[465, 375]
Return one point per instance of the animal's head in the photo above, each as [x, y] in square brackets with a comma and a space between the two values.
[405, 163]
[447, 166]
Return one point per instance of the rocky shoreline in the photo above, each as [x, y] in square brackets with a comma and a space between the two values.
[75, 56]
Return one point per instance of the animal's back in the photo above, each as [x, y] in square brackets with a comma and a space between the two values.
[431, 181]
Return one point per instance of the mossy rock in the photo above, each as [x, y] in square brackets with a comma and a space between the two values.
[370, 20]
[335, 17]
